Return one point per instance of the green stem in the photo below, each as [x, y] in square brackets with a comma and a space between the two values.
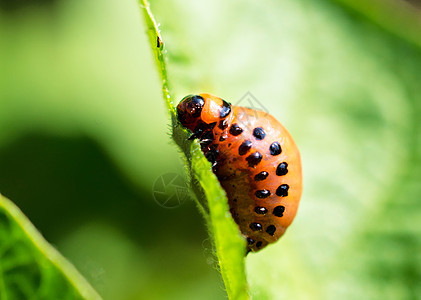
[229, 244]
[157, 45]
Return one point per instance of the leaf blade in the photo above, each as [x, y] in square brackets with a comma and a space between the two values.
[26, 256]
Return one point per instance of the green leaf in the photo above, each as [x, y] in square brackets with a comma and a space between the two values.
[212, 201]
[395, 17]
[30, 268]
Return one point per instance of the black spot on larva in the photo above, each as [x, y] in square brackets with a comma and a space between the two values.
[256, 226]
[244, 147]
[223, 137]
[271, 230]
[259, 244]
[275, 148]
[200, 129]
[279, 211]
[259, 133]
[213, 147]
[204, 145]
[202, 126]
[212, 155]
[211, 126]
[195, 105]
[282, 190]
[250, 241]
[224, 178]
[229, 144]
[225, 109]
[262, 194]
[207, 138]
[261, 176]
[235, 129]
[260, 210]
[282, 169]
[254, 158]
[223, 124]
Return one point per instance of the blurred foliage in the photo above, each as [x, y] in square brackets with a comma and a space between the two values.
[29, 267]
[83, 136]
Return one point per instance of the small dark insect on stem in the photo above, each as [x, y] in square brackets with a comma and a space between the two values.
[158, 42]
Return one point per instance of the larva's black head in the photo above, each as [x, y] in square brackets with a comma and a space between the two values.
[190, 109]
[203, 108]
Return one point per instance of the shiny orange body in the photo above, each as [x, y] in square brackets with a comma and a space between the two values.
[257, 163]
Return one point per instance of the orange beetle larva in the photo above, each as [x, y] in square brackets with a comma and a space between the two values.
[256, 161]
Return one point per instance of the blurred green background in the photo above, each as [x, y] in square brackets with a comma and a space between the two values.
[84, 136]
